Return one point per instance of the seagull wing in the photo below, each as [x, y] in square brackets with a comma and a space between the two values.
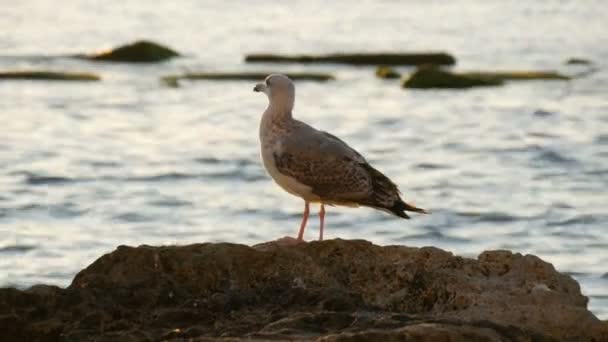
[332, 169]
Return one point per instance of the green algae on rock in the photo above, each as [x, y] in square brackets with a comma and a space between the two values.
[141, 51]
[44, 75]
[432, 77]
[386, 72]
[244, 76]
[437, 58]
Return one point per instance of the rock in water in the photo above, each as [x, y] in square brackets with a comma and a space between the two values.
[437, 58]
[518, 75]
[387, 72]
[332, 290]
[245, 76]
[429, 76]
[142, 51]
[43, 75]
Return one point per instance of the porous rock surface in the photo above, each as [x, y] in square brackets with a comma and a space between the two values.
[334, 290]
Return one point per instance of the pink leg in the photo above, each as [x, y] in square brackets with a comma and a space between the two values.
[322, 219]
[304, 220]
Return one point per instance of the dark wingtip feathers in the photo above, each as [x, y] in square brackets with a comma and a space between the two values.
[400, 207]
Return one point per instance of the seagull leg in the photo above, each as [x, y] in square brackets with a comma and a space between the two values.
[322, 219]
[304, 220]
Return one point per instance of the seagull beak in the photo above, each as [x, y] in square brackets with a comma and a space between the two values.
[260, 87]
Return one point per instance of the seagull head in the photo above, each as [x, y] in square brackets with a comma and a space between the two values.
[276, 86]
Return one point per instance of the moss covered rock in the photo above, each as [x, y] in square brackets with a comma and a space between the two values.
[387, 72]
[142, 51]
[48, 75]
[432, 77]
[438, 58]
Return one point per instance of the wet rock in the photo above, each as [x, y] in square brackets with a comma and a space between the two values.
[437, 58]
[517, 75]
[47, 75]
[580, 61]
[141, 51]
[432, 77]
[333, 290]
[245, 76]
[387, 72]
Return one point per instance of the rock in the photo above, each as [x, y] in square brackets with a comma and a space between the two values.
[333, 290]
[438, 58]
[245, 76]
[432, 77]
[517, 75]
[387, 72]
[575, 60]
[141, 51]
[47, 75]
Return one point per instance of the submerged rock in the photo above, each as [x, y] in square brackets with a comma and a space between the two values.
[438, 58]
[141, 51]
[387, 72]
[431, 77]
[517, 75]
[333, 290]
[245, 76]
[575, 60]
[48, 75]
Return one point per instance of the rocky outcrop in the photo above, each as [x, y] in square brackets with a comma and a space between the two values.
[141, 51]
[245, 76]
[431, 76]
[328, 291]
[517, 75]
[47, 75]
[437, 58]
[427, 76]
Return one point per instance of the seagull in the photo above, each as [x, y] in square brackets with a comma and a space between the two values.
[318, 166]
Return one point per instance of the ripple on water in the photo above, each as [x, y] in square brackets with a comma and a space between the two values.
[548, 156]
[31, 178]
[17, 248]
[433, 236]
[170, 202]
[492, 216]
[430, 166]
[162, 177]
[570, 235]
[601, 139]
[131, 217]
[58, 210]
[584, 219]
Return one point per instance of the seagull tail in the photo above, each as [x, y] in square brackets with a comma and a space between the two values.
[400, 207]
